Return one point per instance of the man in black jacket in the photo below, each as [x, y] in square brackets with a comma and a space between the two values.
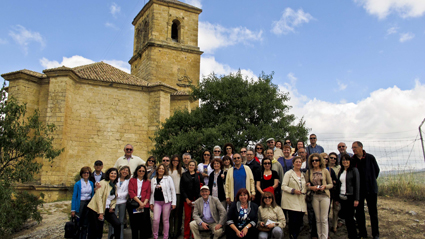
[369, 172]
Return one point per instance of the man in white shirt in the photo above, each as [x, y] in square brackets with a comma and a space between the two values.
[129, 159]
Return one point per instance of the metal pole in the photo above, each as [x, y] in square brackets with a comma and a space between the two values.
[422, 140]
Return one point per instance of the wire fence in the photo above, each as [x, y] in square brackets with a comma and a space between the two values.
[393, 155]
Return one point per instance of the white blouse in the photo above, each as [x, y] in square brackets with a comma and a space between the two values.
[85, 190]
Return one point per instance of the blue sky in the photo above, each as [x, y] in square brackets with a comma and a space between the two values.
[353, 68]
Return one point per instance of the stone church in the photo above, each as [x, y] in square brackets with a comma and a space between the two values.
[98, 108]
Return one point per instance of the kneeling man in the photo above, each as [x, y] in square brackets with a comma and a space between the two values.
[208, 214]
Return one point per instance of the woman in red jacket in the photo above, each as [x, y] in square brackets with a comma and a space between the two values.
[139, 190]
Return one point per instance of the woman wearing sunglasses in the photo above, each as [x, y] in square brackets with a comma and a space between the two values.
[205, 168]
[151, 167]
[270, 211]
[259, 152]
[293, 198]
[319, 181]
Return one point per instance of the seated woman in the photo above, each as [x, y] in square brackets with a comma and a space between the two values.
[242, 217]
[83, 192]
[271, 220]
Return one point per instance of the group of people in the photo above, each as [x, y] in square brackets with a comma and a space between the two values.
[250, 194]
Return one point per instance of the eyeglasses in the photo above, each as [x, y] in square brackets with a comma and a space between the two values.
[268, 197]
[207, 154]
[342, 146]
[86, 173]
[313, 138]
[217, 151]
[267, 163]
[243, 151]
[128, 149]
[332, 157]
[315, 160]
[141, 171]
[165, 160]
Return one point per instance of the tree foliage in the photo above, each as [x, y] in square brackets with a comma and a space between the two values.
[22, 140]
[233, 109]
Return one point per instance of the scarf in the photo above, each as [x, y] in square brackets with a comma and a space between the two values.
[113, 188]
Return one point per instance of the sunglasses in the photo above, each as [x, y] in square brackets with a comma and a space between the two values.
[98, 164]
[129, 149]
[228, 148]
[341, 147]
[267, 163]
[312, 138]
[268, 197]
[217, 151]
[243, 151]
[326, 158]
[151, 160]
[315, 160]
[207, 154]
[260, 148]
[237, 158]
[332, 157]
[165, 160]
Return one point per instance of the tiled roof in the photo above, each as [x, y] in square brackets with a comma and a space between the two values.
[28, 72]
[179, 3]
[104, 72]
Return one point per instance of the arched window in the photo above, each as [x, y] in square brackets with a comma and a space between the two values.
[175, 31]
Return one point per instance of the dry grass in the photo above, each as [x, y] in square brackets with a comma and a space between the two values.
[409, 185]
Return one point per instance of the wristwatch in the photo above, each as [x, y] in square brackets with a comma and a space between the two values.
[247, 227]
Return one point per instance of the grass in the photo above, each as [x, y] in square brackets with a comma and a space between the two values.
[410, 185]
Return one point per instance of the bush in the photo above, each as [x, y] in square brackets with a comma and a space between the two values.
[16, 209]
[406, 185]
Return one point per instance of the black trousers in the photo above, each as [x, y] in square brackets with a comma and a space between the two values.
[252, 233]
[311, 220]
[372, 205]
[97, 229]
[295, 222]
[140, 224]
[84, 218]
[347, 209]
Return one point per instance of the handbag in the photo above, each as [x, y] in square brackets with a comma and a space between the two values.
[131, 203]
[72, 229]
[263, 229]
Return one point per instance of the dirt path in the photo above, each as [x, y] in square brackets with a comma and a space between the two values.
[398, 218]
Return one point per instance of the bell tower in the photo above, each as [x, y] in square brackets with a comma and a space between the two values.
[166, 44]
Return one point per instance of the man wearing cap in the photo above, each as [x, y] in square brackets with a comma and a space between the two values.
[97, 174]
[208, 215]
[277, 153]
[129, 159]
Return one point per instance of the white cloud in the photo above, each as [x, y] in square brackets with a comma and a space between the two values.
[115, 9]
[3, 41]
[406, 36]
[210, 65]
[23, 37]
[341, 86]
[392, 30]
[111, 25]
[404, 8]
[76, 60]
[213, 36]
[289, 20]
[195, 3]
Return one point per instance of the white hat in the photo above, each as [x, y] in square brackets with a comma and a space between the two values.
[269, 139]
[205, 187]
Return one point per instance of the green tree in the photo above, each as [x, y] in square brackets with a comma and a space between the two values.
[22, 140]
[233, 109]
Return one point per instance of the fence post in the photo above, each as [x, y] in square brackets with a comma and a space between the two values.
[422, 140]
